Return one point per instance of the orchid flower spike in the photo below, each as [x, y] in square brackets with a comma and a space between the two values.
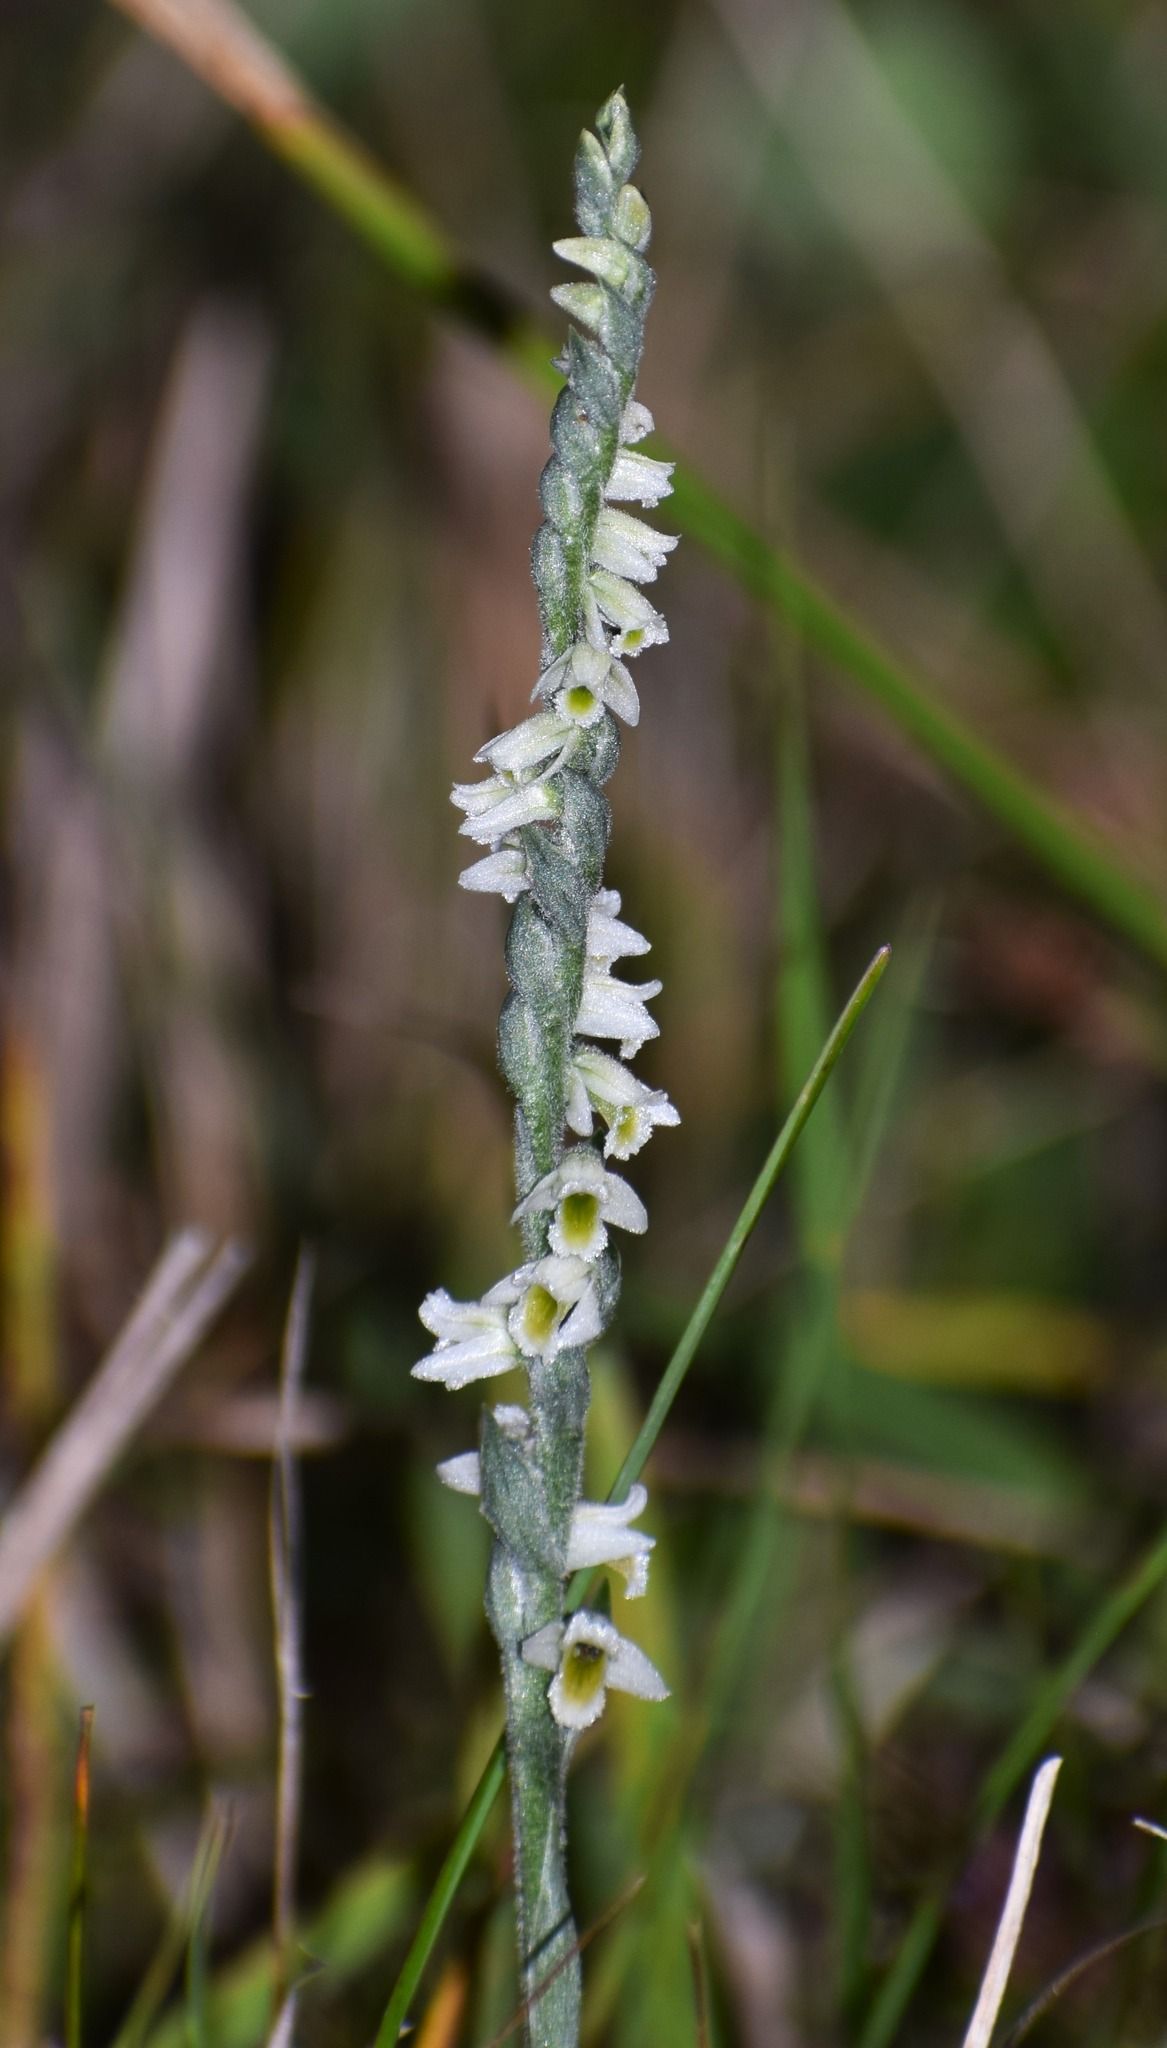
[542, 821]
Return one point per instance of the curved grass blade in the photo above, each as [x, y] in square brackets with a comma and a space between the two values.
[491, 1782]
[177, 1936]
[238, 64]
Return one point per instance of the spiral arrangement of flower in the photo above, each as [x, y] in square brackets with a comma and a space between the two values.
[544, 819]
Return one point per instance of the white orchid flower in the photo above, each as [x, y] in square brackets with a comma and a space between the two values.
[586, 1198]
[620, 604]
[503, 873]
[608, 938]
[600, 1535]
[538, 1311]
[499, 806]
[601, 1085]
[640, 478]
[531, 745]
[630, 547]
[587, 1655]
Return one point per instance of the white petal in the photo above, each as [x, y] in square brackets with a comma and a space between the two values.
[463, 1474]
[600, 1535]
[542, 1649]
[619, 693]
[582, 1326]
[640, 478]
[448, 1319]
[632, 1127]
[579, 1109]
[476, 1358]
[629, 547]
[618, 1663]
[610, 1008]
[608, 937]
[605, 1079]
[588, 664]
[510, 806]
[500, 874]
[629, 1670]
[636, 423]
[552, 676]
[527, 745]
[623, 1206]
[623, 606]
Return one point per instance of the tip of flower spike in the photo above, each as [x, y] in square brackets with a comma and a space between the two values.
[614, 127]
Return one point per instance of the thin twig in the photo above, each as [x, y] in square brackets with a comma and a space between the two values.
[182, 1297]
[577, 1948]
[285, 1582]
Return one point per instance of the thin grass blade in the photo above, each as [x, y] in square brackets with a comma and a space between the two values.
[286, 1555]
[167, 1959]
[78, 1888]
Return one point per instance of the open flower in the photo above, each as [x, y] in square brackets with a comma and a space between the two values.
[555, 1309]
[474, 1342]
[588, 1655]
[587, 680]
[538, 1311]
[586, 1198]
[612, 600]
[600, 1085]
[600, 1534]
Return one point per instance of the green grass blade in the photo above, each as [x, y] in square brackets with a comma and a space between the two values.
[491, 1782]
[365, 1911]
[442, 1896]
[78, 1887]
[1105, 1624]
[1061, 842]
[739, 1236]
[233, 59]
[176, 1936]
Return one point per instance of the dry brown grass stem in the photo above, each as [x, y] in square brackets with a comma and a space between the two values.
[186, 1291]
[227, 53]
